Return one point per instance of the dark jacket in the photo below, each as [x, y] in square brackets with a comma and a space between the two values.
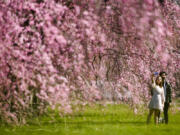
[168, 92]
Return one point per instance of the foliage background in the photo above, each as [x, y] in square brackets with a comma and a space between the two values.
[61, 53]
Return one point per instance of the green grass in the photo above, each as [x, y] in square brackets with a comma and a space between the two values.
[97, 120]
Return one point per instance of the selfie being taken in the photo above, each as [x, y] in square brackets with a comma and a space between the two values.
[89, 67]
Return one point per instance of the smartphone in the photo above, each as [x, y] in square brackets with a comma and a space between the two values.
[156, 73]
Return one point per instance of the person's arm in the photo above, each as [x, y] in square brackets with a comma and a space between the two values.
[170, 92]
[153, 81]
[163, 97]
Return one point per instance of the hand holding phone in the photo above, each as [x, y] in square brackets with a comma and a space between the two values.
[156, 73]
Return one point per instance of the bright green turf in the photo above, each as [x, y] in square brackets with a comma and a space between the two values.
[113, 120]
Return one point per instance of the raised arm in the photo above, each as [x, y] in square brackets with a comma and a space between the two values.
[153, 81]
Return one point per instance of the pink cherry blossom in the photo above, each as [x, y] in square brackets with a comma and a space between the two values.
[59, 53]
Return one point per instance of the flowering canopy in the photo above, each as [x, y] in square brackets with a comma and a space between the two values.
[59, 52]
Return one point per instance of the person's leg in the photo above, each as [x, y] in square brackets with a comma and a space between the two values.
[156, 118]
[149, 115]
[166, 107]
[159, 115]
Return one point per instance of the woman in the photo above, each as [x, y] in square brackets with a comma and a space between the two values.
[157, 102]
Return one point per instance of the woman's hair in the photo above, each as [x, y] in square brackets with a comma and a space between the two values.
[161, 84]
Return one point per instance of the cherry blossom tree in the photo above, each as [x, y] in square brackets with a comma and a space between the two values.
[60, 53]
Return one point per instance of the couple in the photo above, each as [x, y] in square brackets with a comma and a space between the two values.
[161, 98]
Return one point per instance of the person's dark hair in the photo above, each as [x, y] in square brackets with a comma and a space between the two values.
[162, 72]
[161, 84]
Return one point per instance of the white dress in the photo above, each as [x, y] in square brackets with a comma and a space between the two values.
[157, 101]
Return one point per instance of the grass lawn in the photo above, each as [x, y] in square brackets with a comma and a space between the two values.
[99, 120]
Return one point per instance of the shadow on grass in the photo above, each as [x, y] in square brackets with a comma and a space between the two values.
[91, 122]
[102, 122]
[92, 115]
[82, 119]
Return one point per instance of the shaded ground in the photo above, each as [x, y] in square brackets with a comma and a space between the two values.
[99, 120]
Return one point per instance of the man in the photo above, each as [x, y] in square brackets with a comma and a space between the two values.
[167, 94]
